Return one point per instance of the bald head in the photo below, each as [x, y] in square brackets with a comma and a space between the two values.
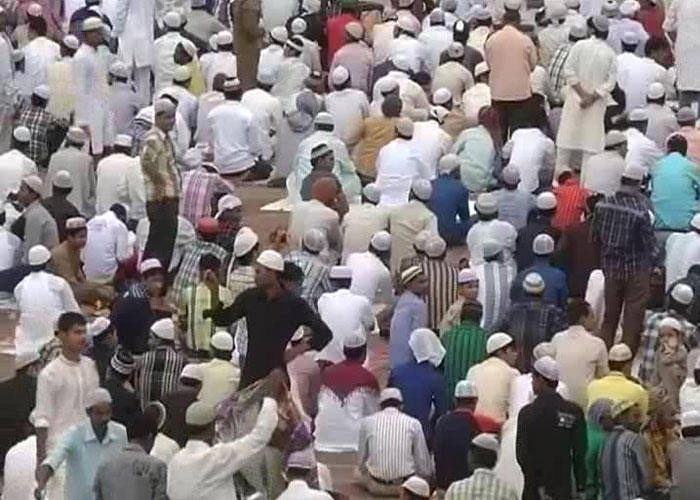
[325, 189]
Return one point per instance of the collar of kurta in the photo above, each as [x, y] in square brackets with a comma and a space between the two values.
[196, 445]
[89, 433]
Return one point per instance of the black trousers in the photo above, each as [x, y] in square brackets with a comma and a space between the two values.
[511, 114]
[161, 236]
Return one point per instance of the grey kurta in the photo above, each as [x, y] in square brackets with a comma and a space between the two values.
[79, 166]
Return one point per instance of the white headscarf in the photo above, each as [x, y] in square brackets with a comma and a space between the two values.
[426, 346]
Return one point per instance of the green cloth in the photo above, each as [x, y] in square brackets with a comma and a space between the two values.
[596, 439]
[466, 346]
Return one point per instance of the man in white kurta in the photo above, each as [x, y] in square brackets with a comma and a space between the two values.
[436, 38]
[91, 107]
[682, 252]
[107, 246]
[221, 61]
[41, 298]
[601, 173]
[683, 25]
[641, 150]
[133, 26]
[59, 77]
[15, 164]
[81, 169]
[348, 106]
[291, 72]
[38, 55]
[591, 72]
[272, 55]
[120, 180]
[407, 45]
[362, 221]
[415, 102]
[61, 396]
[186, 101]
[635, 73]
[7, 91]
[267, 112]
[164, 51]
[430, 141]
[370, 276]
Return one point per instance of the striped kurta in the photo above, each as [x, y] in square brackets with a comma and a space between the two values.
[158, 373]
[482, 485]
[442, 289]
[466, 347]
[495, 280]
[624, 465]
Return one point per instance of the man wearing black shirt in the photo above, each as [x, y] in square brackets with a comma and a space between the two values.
[272, 314]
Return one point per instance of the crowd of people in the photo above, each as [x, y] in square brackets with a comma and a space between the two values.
[488, 287]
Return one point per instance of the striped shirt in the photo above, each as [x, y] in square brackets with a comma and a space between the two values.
[240, 278]
[158, 373]
[442, 289]
[624, 465]
[571, 203]
[193, 302]
[198, 190]
[495, 280]
[392, 446]
[316, 281]
[160, 173]
[188, 274]
[466, 347]
[482, 485]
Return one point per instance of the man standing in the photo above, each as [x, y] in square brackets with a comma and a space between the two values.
[79, 165]
[91, 107]
[133, 26]
[7, 91]
[248, 35]
[62, 392]
[511, 57]
[132, 472]
[682, 24]
[410, 314]
[551, 440]
[164, 50]
[162, 182]
[442, 280]
[272, 315]
[591, 73]
[622, 227]
[83, 448]
[392, 447]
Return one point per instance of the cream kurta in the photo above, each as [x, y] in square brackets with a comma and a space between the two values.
[92, 106]
[494, 379]
[684, 18]
[591, 63]
[406, 221]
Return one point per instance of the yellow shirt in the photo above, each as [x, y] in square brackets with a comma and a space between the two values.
[197, 86]
[618, 388]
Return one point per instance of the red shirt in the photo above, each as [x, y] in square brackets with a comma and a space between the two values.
[571, 203]
[335, 30]
[652, 19]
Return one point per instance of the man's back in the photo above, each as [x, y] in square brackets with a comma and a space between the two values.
[674, 180]
[79, 166]
[131, 473]
[510, 55]
[158, 373]
[617, 387]
[493, 378]
[624, 470]
[106, 246]
[219, 380]
[120, 180]
[453, 436]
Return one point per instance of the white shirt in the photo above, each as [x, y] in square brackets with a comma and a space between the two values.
[398, 164]
[370, 277]
[313, 214]
[164, 63]
[499, 230]
[164, 448]
[432, 143]
[623, 25]
[219, 62]
[435, 40]
[10, 249]
[107, 245]
[92, 103]
[267, 112]
[133, 25]
[474, 99]
[14, 166]
[641, 151]
[184, 237]
[345, 313]
[203, 471]
[207, 102]
[38, 55]
[530, 151]
[415, 102]
[634, 75]
[120, 180]
[359, 224]
[41, 299]
[406, 221]
[20, 465]
[61, 393]
[682, 252]
[299, 490]
[416, 52]
[601, 173]
[382, 35]
[270, 59]
[186, 103]
[689, 396]
[349, 108]
[291, 74]
[236, 136]
[338, 421]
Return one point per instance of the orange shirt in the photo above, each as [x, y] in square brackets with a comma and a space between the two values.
[511, 56]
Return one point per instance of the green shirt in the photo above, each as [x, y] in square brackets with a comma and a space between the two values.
[466, 346]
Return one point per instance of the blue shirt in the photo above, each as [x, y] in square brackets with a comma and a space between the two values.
[83, 454]
[411, 312]
[674, 191]
[422, 386]
[556, 290]
[450, 200]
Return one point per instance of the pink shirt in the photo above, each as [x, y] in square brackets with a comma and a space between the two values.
[511, 56]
